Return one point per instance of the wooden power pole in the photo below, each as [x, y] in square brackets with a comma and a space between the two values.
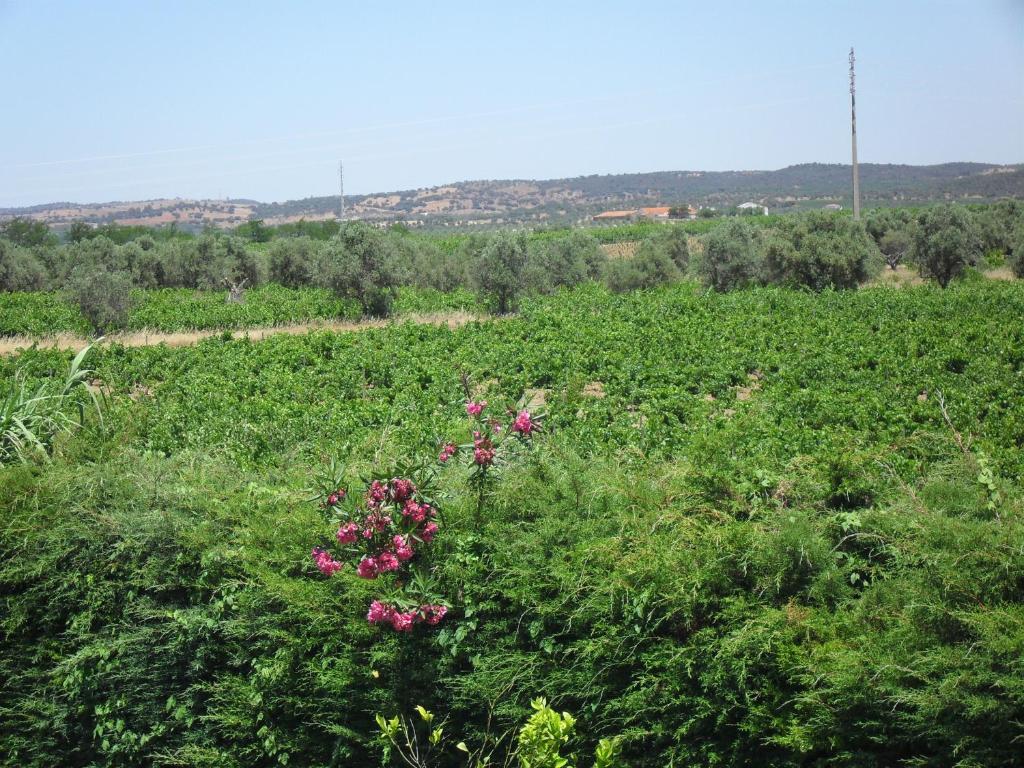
[853, 126]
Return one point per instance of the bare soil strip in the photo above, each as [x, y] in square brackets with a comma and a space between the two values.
[13, 344]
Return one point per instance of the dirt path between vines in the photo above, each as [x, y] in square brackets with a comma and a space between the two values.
[12, 344]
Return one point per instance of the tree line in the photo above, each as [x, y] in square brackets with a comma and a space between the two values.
[99, 267]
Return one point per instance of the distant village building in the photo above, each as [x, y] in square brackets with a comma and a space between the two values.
[660, 212]
[752, 206]
[614, 216]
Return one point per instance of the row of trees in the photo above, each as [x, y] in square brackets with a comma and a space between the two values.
[816, 250]
[821, 250]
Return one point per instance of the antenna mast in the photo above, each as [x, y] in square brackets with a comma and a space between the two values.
[341, 182]
[853, 126]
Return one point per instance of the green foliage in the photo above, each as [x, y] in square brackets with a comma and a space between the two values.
[255, 231]
[749, 537]
[27, 233]
[1017, 251]
[821, 250]
[945, 242]
[360, 264]
[20, 269]
[895, 245]
[676, 245]
[30, 419]
[564, 262]
[102, 296]
[542, 738]
[651, 266]
[498, 272]
[731, 257]
[293, 262]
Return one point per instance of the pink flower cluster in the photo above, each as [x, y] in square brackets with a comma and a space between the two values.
[523, 424]
[328, 565]
[483, 450]
[487, 433]
[336, 497]
[402, 621]
[384, 533]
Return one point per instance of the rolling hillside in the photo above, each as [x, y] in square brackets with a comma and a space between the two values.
[560, 200]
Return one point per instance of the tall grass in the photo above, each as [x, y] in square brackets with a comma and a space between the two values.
[31, 417]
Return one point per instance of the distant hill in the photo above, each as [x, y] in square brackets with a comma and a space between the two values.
[809, 185]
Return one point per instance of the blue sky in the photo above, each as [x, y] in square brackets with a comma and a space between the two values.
[144, 99]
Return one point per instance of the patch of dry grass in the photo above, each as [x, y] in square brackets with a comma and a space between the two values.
[13, 344]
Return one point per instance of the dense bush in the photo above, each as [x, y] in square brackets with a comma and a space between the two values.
[748, 537]
[499, 271]
[732, 256]
[650, 267]
[945, 242]
[1017, 251]
[20, 269]
[293, 261]
[360, 264]
[819, 251]
[103, 296]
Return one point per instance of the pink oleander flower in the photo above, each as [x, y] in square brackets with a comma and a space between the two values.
[327, 565]
[367, 568]
[484, 456]
[401, 489]
[403, 549]
[523, 424]
[332, 499]
[379, 612]
[376, 494]
[447, 452]
[475, 409]
[429, 531]
[377, 522]
[433, 614]
[402, 622]
[348, 533]
[387, 562]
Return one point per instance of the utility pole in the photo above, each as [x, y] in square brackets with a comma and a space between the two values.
[341, 181]
[853, 125]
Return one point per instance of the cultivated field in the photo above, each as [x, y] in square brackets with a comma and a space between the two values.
[753, 525]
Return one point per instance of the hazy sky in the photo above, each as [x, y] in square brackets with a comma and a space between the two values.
[142, 99]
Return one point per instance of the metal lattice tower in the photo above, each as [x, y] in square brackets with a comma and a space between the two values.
[853, 127]
[341, 182]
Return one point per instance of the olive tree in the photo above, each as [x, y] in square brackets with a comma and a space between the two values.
[945, 242]
[102, 295]
[732, 256]
[20, 270]
[499, 271]
[360, 264]
[894, 245]
[821, 250]
[650, 267]
[292, 261]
